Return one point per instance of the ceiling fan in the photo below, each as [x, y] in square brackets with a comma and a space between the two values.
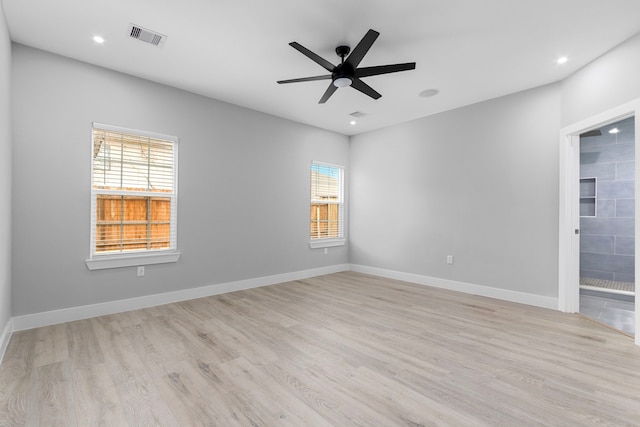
[347, 72]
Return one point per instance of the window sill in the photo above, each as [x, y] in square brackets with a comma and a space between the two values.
[105, 262]
[326, 243]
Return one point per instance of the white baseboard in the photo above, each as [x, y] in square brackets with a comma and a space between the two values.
[36, 320]
[5, 337]
[469, 288]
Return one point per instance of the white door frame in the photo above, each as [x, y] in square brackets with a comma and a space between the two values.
[569, 241]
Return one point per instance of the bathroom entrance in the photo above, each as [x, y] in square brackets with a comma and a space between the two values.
[607, 224]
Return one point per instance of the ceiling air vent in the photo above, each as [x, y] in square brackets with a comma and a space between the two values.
[147, 36]
[357, 114]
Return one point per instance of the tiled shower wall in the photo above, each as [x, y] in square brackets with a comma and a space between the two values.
[607, 242]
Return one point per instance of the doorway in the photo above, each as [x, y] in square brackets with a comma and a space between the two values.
[569, 207]
[607, 217]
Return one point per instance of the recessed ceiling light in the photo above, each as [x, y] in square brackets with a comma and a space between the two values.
[98, 39]
[562, 60]
[352, 122]
[429, 93]
[614, 130]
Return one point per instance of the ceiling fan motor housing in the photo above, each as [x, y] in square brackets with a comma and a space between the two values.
[343, 71]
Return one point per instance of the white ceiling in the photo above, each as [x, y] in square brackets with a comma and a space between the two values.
[236, 50]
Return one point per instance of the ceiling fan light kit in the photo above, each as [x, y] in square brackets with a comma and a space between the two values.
[342, 82]
[347, 72]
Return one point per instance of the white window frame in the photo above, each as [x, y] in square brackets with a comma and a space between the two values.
[98, 261]
[315, 243]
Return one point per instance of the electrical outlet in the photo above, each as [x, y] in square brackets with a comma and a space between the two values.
[449, 259]
[141, 271]
[326, 251]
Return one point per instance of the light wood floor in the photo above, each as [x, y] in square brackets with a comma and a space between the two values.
[340, 350]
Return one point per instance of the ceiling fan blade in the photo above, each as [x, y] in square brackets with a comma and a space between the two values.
[362, 48]
[358, 84]
[306, 79]
[384, 69]
[330, 90]
[314, 57]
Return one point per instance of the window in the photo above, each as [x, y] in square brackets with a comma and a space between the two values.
[327, 205]
[133, 198]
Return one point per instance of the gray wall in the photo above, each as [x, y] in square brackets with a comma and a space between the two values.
[479, 183]
[5, 174]
[243, 201]
[607, 82]
[607, 242]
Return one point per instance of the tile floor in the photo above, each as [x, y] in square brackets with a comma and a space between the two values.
[617, 311]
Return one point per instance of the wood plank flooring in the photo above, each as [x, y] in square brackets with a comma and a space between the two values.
[340, 350]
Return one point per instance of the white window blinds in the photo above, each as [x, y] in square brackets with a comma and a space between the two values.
[327, 201]
[133, 191]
